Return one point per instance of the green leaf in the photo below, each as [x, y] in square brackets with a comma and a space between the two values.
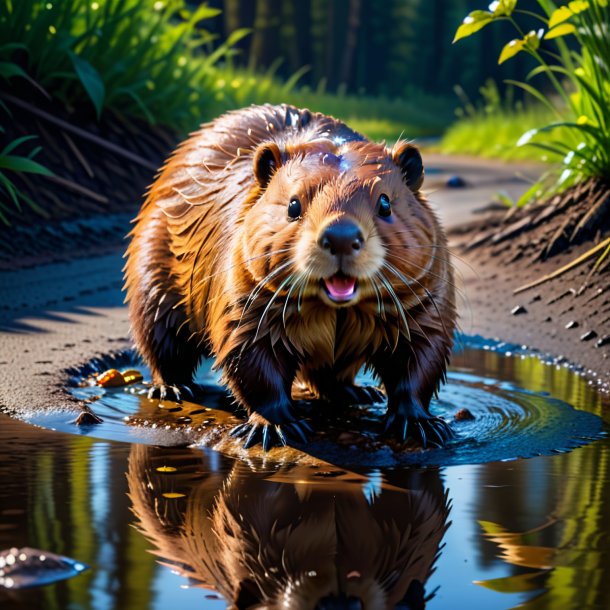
[9, 69]
[472, 23]
[236, 36]
[534, 92]
[561, 30]
[204, 12]
[10, 147]
[511, 49]
[91, 81]
[23, 165]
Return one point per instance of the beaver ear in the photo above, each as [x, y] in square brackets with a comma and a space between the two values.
[267, 160]
[407, 157]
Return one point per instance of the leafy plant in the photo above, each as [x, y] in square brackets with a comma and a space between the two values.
[579, 76]
[148, 58]
[572, 50]
[11, 164]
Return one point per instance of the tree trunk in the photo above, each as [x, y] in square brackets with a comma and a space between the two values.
[351, 39]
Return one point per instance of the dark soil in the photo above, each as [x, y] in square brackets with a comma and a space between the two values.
[101, 172]
[568, 315]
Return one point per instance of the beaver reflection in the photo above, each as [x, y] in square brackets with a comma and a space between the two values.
[289, 537]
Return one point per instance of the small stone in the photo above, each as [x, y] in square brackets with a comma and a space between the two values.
[590, 334]
[110, 379]
[536, 298]
[518, 310]
[572, 324]
[548, 319]
[88, 418]
[605, 340]
[456, 182]
[463, 415]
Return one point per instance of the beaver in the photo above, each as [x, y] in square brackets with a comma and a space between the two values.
[290, 248]
[282, 537]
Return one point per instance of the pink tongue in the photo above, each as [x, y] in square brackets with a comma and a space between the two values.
[340, 288]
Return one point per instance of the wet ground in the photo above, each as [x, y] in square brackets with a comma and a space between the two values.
[193, 527]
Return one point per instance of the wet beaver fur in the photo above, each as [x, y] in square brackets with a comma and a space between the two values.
[292, 249]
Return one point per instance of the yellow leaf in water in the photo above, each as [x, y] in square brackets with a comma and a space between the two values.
[166, 469]
[132, 376]
[110, 379]
[172, 495]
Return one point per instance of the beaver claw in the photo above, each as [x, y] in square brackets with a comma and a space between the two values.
[169, 392]
[257, 430]
[427, 431]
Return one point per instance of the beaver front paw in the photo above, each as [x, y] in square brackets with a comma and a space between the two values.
[413, 422]
[259, 430]
[174, 393]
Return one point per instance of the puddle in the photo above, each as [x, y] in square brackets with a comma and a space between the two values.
[505, 421]
[163, 526]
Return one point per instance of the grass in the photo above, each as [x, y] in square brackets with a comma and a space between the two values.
[147, 58]
[379, 118]
[495, 135]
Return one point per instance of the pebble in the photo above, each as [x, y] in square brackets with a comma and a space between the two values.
[590, 334]
[463, 415]
[518, 310]
[572, 324]
[456, 182]
[605, 340]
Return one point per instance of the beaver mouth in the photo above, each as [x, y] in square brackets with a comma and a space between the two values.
[340, 287]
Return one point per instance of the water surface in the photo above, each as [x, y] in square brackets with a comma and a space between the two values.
[163, 526]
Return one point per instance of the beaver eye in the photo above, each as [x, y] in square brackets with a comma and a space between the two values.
[294, 209]
[384, 207]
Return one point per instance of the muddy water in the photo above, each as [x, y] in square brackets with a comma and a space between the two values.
[166, 526]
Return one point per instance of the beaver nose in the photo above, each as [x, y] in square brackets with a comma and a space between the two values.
[343, 237]
[342, 602]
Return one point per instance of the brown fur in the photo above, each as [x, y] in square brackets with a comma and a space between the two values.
[214, 267]
[272, 540]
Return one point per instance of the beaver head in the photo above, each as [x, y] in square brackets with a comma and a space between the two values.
[342, 224]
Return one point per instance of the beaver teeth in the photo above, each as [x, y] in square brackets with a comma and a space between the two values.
[340, 287]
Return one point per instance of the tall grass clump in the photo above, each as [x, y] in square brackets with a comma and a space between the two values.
[492, 127]
[150, 59]
[147, 58]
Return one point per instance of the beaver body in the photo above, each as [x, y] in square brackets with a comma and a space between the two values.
[290, 248]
